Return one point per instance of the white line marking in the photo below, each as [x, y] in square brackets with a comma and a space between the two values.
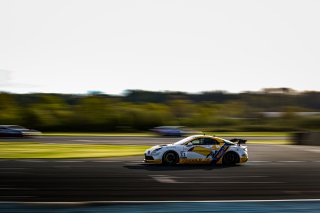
[170, 179]
[106, 161]
[229, 176]
[69, 161]
[292, 161]
[231, 182]
[259, 161]
[163, 179]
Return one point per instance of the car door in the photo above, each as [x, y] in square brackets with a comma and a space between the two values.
[198, 149]
[213, 145]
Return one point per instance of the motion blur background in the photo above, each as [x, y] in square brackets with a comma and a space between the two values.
[276, 109]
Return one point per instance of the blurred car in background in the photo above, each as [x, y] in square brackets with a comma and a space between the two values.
[17, 131]
[177, 131]
[199, 149]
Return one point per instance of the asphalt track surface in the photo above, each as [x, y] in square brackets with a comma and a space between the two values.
[120, 140]
[273, 172]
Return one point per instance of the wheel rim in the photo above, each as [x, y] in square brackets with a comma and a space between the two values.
[230, 158]
[170, 158]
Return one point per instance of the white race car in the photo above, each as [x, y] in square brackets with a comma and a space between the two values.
[199, 149]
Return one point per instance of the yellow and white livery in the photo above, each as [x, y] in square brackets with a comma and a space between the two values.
[199, 149]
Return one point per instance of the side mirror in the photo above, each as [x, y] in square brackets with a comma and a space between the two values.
[189, 144]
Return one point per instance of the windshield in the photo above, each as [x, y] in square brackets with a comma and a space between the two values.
[183, 141]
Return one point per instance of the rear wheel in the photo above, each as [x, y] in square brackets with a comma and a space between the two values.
[230, 158]
[170, 158]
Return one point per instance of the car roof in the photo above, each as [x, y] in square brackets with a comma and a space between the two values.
[203, 136]
[209, 136]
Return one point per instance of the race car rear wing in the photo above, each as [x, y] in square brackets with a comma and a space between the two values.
[238, 140]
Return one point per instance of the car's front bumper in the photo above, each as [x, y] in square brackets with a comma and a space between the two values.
[150, 159]
[153, 161]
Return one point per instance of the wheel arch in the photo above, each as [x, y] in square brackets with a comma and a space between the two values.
[173, 151]
[238, 161]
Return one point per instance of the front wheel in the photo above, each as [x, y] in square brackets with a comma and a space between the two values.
[170, 158]
[230, 158]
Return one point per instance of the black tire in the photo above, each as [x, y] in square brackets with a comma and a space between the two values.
[170, 158]
[230, 158]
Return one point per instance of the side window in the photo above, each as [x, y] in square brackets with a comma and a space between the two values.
[210, 141]
[204, 141]
[196, 142]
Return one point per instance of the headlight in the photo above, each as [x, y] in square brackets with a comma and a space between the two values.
[155, 151]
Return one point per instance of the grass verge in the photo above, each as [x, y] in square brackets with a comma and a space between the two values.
[15, 150]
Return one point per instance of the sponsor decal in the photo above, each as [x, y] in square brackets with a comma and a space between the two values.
[191, 149]
[183, 155]
[221, 152]
[201, 150]
[215, 147]
[212, 154]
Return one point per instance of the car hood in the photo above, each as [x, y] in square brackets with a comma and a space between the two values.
[159, 146]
